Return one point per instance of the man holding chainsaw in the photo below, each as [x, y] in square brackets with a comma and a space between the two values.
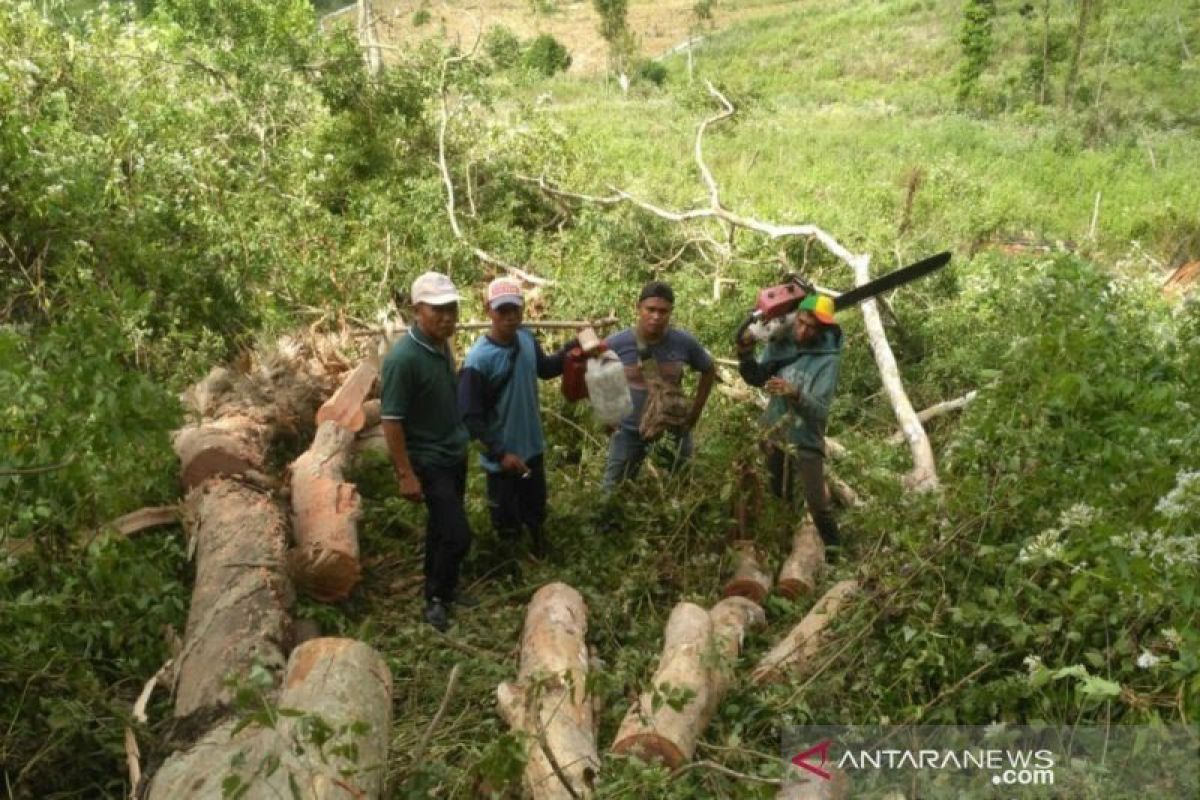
[498, 399]
[800, 371]
[654, 355]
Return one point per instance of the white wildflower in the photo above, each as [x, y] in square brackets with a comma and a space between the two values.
[1147, 660]
[1184, 496]
[1033, 664]
[1080, 516]
[1172, 638]
[1043, 547]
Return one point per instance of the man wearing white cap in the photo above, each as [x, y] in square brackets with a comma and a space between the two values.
[427, 439]
[498, 398]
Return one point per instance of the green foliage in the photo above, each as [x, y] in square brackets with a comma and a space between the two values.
[421, 17]
[653, 72]
[502, 47]
[546, 55]
[975, 39]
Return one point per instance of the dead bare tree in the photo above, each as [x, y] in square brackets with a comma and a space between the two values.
[924, 473]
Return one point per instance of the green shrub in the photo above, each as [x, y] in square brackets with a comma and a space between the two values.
[654, 72]
[502, 47]
[421, 17]
[546, 55]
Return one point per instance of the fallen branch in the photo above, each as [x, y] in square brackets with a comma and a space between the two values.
[144, 519]
[937, 410]
[133, 755]
[481, 254]
[451, 684]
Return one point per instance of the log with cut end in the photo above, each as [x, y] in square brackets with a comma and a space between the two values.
[653, 729]
[795, 652]
[229, 446]
[731, 618]
[798, 575]
[242, 595]
[340, 685]
[325, 512]
[346, 406]
[548, 700]
[749, 579]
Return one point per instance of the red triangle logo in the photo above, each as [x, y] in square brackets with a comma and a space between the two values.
[801, 760]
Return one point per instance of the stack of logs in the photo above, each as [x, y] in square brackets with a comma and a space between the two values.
[239, 626]
[549, 704]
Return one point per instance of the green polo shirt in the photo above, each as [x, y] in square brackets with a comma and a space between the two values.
[418, 389]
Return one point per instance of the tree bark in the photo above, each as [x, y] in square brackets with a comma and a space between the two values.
[749, 579]
[229, 446]
[731, 618]
[325, 512]
[242, 595]
[340, 685]
[796, 651]
[346, 406]
[924, 472]
[654, 731]
[798, 575]
[549, 702]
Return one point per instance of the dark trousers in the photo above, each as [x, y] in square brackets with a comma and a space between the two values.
[447, 533]
[784, 466]
[515, 501]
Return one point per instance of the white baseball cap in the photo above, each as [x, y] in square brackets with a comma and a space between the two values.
[504, 292]
[435, 289]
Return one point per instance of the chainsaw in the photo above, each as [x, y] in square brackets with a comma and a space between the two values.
[776, 304]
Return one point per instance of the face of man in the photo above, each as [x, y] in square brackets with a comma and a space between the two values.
[437, 322]
[505, 321]
[805, 327]
[654, 315]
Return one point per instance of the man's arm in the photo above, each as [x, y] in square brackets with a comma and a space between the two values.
[752, 371]
[410, 487]
[703, 390]
[551, 366]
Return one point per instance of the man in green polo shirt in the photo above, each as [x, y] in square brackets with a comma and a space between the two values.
[427, 439]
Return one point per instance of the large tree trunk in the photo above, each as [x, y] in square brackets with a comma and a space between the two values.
[795, 653]
[549, 701]
[325, 512]
[240, 602]
[341, 685]
[798, 576]
[652, 729]
[229, 446]
[346, 406]
[749, 579]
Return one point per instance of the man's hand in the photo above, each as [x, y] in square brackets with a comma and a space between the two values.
[410, 487]
[778, 387]
[513, 463]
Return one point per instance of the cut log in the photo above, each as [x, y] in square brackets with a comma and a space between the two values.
[549, 701]
[731, 618]
[241, 598]
[346, 406]
[652, 729]
[229, 446]
[341, 685]
[749, 579]
[837, 489]
[325, 511]
[798, 576]
[795, 652]
[372, 411]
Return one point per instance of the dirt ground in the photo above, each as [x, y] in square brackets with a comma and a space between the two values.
[659, 25]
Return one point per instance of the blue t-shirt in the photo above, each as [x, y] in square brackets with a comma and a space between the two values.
[671, 353]
[515, 425]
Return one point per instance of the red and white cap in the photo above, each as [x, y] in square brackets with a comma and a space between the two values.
[504, 292]
[435, 289]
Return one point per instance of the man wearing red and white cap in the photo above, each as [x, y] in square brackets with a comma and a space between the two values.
[427, 439]
[498, 399]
